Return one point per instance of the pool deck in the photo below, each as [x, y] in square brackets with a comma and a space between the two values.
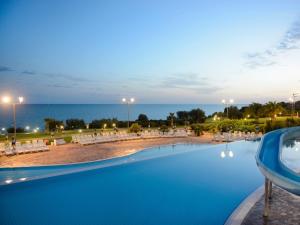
[284, 210]
[74, 153]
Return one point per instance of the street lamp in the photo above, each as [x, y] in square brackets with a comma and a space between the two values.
[227, 103]
[293, 101]
[7, 100]
[128, 102]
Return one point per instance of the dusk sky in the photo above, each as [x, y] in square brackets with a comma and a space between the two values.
[156, 51]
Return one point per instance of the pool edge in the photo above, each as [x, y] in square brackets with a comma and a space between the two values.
[239, 214]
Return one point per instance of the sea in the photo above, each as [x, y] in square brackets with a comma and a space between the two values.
[33, 115]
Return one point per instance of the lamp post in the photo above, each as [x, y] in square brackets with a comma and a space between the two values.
[128, 102]
[227, 103]
[7, 100]
[293, 102]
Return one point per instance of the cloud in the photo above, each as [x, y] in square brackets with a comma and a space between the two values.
[28, 72]
[190, 82]
[59, 86]
[5, 69]
[65, 77]
[184, 80]
[289, 41]
[55, 76]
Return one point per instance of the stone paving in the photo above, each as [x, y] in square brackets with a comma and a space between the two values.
[284, 210]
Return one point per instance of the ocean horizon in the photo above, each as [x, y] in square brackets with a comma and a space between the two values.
[33, 115]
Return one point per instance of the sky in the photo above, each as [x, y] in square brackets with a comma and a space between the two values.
[71, 51]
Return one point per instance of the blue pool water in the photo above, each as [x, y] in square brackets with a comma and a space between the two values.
[181, 184]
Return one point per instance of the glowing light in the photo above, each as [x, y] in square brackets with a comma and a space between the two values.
[296, 149]
[6, 99]
[104, 125]
[223, 101]
[23, 179]
[248, 115]
[223, 155]
[61, 127]
[114, 125]
[8, 181]
[3, 129]
[131, 100]
[231, 101]
[79, 130]
[35, 130]
[230, 153]
[21, 99]
[27, 128]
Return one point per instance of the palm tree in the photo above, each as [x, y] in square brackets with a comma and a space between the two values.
[272, 109]
[171, 116]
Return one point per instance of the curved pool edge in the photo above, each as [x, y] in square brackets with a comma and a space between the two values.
[86, 162]
[93, 167]
[239, 214]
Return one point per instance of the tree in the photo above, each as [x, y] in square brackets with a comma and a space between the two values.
[72, 124]
[52, 124]
[271, 109]
[96, 124]
[18, 130]
[143, 120]
[253, 110]
[171, 118]
[182, 117]
[233, 112]
[196, 116]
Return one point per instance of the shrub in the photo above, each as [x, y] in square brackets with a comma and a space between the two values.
[198, 129]
[18, 130]
[97, 124]
[164, 129]
[73, 124]
[135, 128]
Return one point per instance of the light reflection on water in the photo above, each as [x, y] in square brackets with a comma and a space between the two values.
[291, 154]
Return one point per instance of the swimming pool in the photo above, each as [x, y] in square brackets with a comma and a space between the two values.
[176, 184]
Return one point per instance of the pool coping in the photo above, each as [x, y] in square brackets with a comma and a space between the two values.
[77, 170]
[239, 214]
[100, 160]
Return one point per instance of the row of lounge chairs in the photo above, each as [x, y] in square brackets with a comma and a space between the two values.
[123, 136]
[229, 137]
[28, 147]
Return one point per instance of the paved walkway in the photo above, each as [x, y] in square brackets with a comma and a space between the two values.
[284, 210]
[74, 153]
